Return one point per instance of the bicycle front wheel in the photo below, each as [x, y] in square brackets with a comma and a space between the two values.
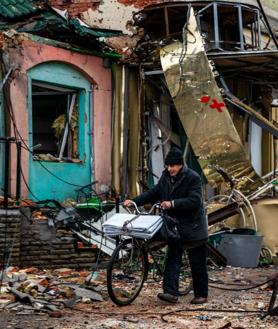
[126, 272]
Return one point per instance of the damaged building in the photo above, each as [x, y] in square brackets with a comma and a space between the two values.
[206, 77]
[99, 90]
[203, 76]
[56, 100]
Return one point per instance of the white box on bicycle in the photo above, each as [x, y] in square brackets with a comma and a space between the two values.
[140, 226]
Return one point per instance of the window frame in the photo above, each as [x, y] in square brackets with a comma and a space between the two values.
[67, 91]
[66, 77]
[215, 44]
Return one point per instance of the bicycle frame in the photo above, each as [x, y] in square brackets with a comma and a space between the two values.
[128, 267]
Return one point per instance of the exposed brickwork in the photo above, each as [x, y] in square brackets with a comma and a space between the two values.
[36, 244]
[75, 7]
[42, 246]
[2, 39]
[140, 3]
[10, 223]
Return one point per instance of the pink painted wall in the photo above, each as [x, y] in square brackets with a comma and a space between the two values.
[29, 54]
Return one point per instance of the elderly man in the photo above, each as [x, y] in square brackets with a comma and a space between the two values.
[180, 192]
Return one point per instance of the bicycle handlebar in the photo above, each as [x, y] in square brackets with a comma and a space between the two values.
[156, 205]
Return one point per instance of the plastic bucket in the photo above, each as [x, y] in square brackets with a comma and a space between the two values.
[241, 250]
[215, 238]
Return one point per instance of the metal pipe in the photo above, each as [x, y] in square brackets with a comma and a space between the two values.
[270, 174]
[7, 171]
[91, 133]
[250, 207]
[274, 165]
[216, 26]
[240, 24]
[18, 170]
[167, 28]
[125, 132]
[259, 30]
[261, 190]
[252, 35]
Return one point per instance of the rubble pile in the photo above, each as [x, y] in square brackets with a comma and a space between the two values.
[30, 238]
[11, 202]
[78, 299]
[33, 291]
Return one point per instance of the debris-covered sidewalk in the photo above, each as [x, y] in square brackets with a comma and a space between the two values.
[68, 299]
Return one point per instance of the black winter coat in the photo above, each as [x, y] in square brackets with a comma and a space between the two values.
[188, 208]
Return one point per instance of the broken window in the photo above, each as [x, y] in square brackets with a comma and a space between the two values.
[163, 22]
[224, 27]
[55, 122]
[230, 27]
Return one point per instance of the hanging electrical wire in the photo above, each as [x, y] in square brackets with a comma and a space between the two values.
[185, 41]
[6, 251]
[26, 184]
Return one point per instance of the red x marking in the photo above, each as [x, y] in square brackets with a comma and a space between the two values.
[214, 105]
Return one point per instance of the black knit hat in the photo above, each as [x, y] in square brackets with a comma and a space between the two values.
[174, 157]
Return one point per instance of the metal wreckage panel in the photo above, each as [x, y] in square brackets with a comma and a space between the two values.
[202, 111]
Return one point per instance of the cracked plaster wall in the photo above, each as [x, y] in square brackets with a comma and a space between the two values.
[111, 15]
[25, 54]
[115, 14]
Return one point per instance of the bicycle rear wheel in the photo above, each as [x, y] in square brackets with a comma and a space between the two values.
[126, 272]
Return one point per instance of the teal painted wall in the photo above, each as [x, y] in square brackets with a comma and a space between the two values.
[42, 183]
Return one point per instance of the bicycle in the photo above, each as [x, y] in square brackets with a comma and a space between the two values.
[129, 267]
[91, 204]
[235, 196]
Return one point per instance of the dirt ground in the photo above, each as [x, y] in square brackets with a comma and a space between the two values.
[225, 309]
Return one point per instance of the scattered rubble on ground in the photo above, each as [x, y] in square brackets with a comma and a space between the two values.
[35, 291]
[67, 299]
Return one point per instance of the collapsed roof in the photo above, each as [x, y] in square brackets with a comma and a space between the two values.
[36, 17]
